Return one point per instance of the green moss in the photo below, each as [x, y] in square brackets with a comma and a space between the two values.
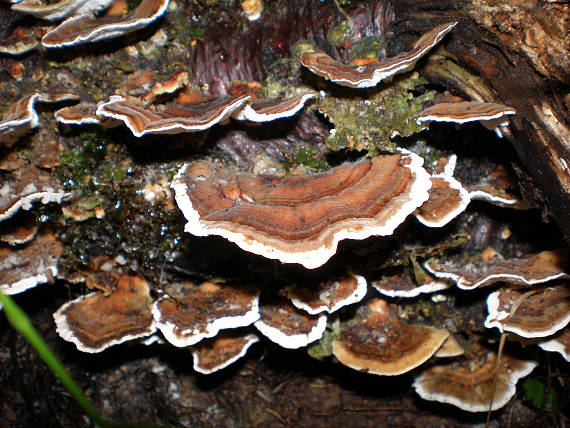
[367, 47]
[368, 120]
[306, 156]
[337, 35]
[323, 348]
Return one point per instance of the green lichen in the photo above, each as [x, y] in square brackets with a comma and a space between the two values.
[368, 120]
[306, 156]
[337, 35]
[323, 348]
[367, 47]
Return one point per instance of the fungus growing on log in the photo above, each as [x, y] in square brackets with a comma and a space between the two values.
[490, 115]
[95, 321]
[88, 28]
[142, 120]
[24, 267]
[18, 231]
[269, 110]
[200, 312]
[447, 198]
[61, 9]
[403, 285]
[79, 114]
[328, 296]
[559, 343]
[377, 342]
[288, 326]
[449, 348]
[534, 269]
[366, 76]
[473, 384]
[212, 355]
[540, 313]
[26, 186]
[22, 117]
[301, 219]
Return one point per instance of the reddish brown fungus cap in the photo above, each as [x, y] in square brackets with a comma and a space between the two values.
[24, 267]
[200, 312]
[540, 312]
[533, 269]
[95, 322]
[365, 76]
[212, 355]
[328, 296]
[377, 342]
[88, 28]
[301, 219]
[470, 384]
[288, 326]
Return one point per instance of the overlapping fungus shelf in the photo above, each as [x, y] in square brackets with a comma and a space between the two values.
[301, 219]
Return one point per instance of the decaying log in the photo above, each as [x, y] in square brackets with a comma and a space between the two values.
[515, 52]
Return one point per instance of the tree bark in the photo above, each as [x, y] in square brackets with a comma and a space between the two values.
[517, 53]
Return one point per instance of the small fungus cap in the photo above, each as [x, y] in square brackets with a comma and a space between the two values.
[469, 384]
[288, 326]
[95, 322]
[202, 311]
[538, 313]
[366, 76]
[377, 342]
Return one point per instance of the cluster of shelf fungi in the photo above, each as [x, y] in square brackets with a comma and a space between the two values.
[293, 219]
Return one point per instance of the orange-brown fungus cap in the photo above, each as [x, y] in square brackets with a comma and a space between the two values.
[289, 326]
[142, 120]
[328, 296]
[447, 198]
[540, 312]
[89, 28]
[25, 186]
[403, 285]
[301, 219]
[377, 342]
[366, 76]
[95, 321]
[469, 384]
[24, 267]
[199, 312]
[211, 355]
[560, 342]
[534, 269]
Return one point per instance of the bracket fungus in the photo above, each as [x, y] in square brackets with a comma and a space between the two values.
[289, 326]
[490, 115]
[142, 120]
[447, 198]
[537, 313]
[366, 76]
[24, 267]
[22, 117]
[61, 9]
[269, 110]
[86, 28]
[26, 186]
[301, 219]
[328, 296]
[472, 385]
[212, 355]
[378, 342]
[559, 343]
[403, 285]
[95, 321]
[533, 269]
[200, 312]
